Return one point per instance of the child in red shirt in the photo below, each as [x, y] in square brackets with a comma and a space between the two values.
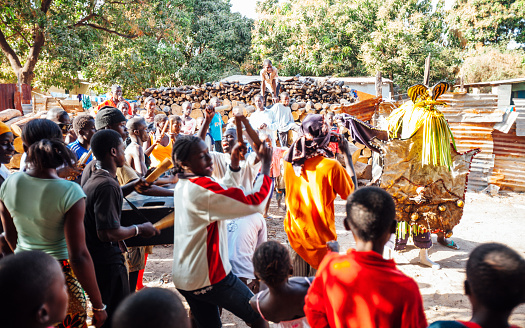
[361, 289]
[495, 285]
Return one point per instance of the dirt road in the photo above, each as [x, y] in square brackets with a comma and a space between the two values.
[486, 219]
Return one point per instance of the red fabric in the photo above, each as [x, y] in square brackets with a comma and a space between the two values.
[236, 193]
[215, 266]
[110, 102]
[140, 284]
[361, 289]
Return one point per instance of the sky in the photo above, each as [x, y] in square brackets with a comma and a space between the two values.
[245, 7]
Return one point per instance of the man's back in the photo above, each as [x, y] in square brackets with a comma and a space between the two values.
[361, 289]
[309, 221]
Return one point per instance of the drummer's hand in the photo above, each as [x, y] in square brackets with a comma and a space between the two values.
[69, 172]
[99, 317]
[147, 230]
[141, 185]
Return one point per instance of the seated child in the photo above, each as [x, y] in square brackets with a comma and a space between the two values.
[283, 301]
[360, 288]
[84, 127]
[152, 307]
[495, 285]
[33, 289]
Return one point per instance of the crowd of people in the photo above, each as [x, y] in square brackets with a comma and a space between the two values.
[61, 217]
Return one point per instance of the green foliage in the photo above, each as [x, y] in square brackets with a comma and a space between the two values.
[354, 38]
[137, 44]
[489, 21]
[492, 64]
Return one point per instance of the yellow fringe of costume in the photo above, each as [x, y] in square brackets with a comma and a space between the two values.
[421, 112]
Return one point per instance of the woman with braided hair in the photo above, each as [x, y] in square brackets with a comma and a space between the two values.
[201, 269]
[283, 301]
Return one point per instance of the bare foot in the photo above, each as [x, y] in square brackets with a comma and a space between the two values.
[425, 260]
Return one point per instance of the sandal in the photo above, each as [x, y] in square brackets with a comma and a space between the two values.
[449, 243]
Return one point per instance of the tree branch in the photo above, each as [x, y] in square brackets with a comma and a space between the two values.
[10, 53]
[80, 22]
[127, 36]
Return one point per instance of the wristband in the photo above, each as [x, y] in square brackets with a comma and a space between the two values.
[100, 310]
[234, 170]
[136, 230]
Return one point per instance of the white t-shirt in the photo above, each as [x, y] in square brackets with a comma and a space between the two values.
[244, 236]
[248, 172]
[267, 117]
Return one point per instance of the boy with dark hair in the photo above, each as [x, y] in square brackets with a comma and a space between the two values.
[495, 285]
[134, 151]
[360, 288]
[152, 307]
[284, 119]
[104, 234]
[84, 127]
[33, 289]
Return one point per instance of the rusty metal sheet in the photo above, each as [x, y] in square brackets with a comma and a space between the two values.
[7, 95]
[509, 166]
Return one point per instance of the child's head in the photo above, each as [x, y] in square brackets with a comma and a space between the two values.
[329, 118]
[112, 118]
[150, 104]
[271, 263]
[285, 98]
[7, 150]
[186, 108]
[371, 214]
[84, 127]
[160, 120]
[39, 129]
[49, 154]
[176, 123]
[495, 278]
[107, 145]
[123, 107]
[258, 101]
[229, 139]
[137, 128]
[215, 102]
[190, 154]
[116, 91]
[33, 289]
[151, 307]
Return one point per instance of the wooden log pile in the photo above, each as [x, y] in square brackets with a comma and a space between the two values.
[308, 96]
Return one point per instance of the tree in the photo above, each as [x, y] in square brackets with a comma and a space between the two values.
[137, 44]
[353, 38]
[492, 63]
[488, 21]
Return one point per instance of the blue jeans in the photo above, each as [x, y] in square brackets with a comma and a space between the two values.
[229, 293]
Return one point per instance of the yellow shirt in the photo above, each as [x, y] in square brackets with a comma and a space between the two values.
[310, 218]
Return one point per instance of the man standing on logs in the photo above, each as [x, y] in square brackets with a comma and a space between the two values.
[269, 80]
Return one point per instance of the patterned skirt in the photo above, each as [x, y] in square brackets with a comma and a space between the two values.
[76, 309]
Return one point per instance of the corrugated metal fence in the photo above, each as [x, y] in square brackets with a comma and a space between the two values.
[7, 95]
[502, 158]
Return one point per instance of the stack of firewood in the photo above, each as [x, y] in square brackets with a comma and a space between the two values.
[308, 96]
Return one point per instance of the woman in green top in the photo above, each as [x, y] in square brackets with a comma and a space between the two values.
[40, 211]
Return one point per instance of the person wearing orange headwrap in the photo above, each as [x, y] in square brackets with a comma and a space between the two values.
[7, 150]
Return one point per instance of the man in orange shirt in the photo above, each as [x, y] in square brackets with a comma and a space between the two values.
[313, 180]
[116, 97]
[360, 288]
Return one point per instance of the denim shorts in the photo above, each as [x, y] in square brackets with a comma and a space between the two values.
[229, 293]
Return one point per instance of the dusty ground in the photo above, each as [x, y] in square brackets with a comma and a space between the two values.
[486, 219]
